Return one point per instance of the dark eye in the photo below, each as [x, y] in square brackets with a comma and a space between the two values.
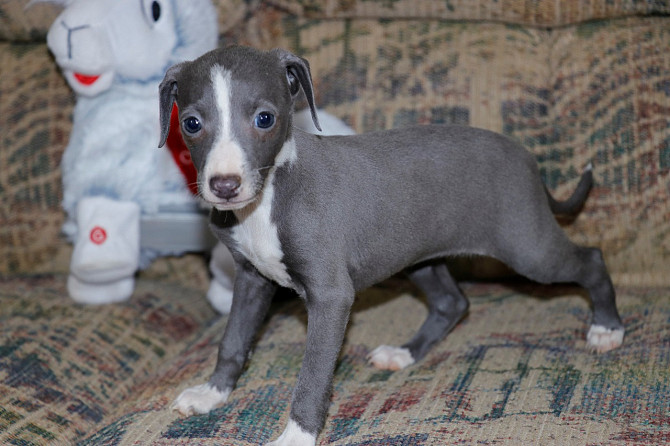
[156, 10]
[192, 125]
[264, 120]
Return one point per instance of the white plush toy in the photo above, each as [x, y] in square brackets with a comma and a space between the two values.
[114, 54]
[127, 201]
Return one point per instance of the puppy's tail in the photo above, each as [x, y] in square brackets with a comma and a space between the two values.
[574, 204]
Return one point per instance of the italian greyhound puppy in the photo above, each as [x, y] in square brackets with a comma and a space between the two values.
[328, 216]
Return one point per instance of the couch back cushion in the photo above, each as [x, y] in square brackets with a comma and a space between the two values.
[595, 91]
[20, 23]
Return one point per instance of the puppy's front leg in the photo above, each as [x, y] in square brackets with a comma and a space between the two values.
[252, 296]
[327, 318]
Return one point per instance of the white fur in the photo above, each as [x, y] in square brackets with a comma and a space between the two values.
[603, 339]
[199, 399]
[256, 236]
[330, 125]
[220, 294]
[222, 267]
[387, 357]
[112, 148]
[112, 38]
[288, 154]
[226, 157]
[293, 435]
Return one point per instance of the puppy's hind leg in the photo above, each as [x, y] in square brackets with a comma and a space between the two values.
[446, 306]
[560, 260]
[607, 330]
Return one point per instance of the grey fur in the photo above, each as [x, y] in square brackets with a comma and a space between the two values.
[351, 211]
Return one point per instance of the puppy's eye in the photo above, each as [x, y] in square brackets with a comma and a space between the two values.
[264, 120]
[192, 125]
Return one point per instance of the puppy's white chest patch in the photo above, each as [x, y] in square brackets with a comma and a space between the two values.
[257, 238]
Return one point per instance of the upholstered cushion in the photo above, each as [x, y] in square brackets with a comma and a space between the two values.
[593, 92]
[18, 22]
[515, 371]
[542, 13]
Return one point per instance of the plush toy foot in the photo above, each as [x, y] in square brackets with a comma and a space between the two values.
[220, 297]
[106, 251]
[100, 293]
[222, 267]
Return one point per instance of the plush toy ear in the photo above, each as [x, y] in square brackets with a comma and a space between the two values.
[167, 95]
[298, 75]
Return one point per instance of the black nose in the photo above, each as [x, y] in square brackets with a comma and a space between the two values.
[225, 187]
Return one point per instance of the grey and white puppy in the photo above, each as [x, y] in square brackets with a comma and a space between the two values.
[327, 216]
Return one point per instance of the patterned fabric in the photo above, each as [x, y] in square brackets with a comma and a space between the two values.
[596, 92]
[35, 118]
[65, 368]
[20, 24]
[515, 371]
[593, 92]
[538, 12]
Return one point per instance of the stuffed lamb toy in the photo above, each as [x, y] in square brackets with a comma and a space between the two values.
[128, 202]
[113, 54]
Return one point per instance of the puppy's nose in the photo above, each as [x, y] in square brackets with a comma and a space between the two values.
[225, 186]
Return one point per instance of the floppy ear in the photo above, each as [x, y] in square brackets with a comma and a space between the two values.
[298, 75]
[167, 95]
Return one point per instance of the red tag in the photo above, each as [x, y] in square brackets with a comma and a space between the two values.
[180, 153]
[98, 235]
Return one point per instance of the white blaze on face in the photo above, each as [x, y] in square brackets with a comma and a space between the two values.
[226, 156]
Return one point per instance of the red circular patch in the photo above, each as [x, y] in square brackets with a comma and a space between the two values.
[98, 235]
[185, 158]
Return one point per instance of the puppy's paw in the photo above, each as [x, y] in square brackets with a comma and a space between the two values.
[293, 435]
[603, 339]
[387, 357]
[199, 399]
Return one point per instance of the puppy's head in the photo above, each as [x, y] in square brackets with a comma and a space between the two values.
[235, 109]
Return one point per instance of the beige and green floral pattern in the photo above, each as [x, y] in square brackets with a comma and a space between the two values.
[574, 81]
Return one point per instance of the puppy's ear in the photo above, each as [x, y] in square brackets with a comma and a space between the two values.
[167, 95]
[298, 75]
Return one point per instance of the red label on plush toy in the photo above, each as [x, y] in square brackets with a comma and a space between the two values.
[180, 152]
[98, 235]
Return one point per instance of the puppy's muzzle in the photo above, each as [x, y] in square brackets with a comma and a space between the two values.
[225, 186]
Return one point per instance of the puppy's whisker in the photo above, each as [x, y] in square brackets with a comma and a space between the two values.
[196, 184]
[263, 168]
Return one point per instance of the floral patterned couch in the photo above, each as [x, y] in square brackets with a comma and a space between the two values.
[575, 81]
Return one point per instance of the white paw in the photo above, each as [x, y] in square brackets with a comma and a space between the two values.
[603, 339]
[199, 399]
[293, 435]
[387, 357]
